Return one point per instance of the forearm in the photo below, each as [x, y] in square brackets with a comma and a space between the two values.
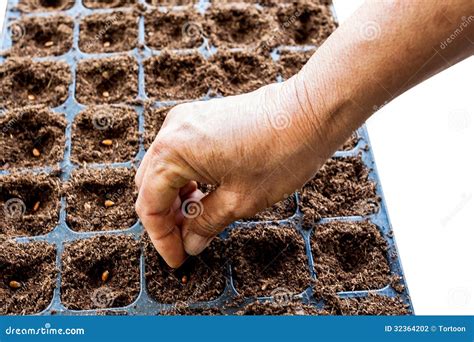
[384, 49]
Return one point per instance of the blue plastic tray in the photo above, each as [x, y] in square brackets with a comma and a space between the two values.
[145, 304]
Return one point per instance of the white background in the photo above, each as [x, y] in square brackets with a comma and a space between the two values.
[423, 143]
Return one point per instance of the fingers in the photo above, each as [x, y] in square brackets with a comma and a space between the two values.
[206, 218]
[159, 192]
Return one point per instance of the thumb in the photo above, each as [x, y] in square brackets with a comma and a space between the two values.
[206, 218]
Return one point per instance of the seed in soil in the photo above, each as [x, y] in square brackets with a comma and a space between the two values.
[24, 82]
[279, 211]
[267, 260]
[241, 72]
[238, 25]
[291, 62]
[340, 188]
[19, 197]
[109, 32]
[200, 278]
[43, 36]
[89, 266]
[31, 137]
[349, 256]
[105, 134]
[303, 23]
[108, 3]
[28, 277]
[372, 305]
[45, 5]
[101, 199]
[120, 83]
[170, 76]
[174, 29]
[154, 118]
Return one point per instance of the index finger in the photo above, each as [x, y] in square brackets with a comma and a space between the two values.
[158, 192]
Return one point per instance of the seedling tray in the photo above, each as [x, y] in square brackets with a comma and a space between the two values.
[236, 291]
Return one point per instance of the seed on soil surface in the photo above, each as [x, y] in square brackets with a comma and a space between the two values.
[105, 276]
[184, 280]
[31, 97]
[48, 44]
[14, 284]
[36, 206]
[107, 142]
[105, 94]
[36, 152]
[109, 203]
[107, 44]
[106, 75]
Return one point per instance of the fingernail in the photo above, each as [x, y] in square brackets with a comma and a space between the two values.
[194, 244]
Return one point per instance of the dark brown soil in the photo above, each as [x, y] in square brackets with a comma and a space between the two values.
[29, 204]
[269, 3]
[154, 119]
[26, 131]
[204, 275]
[304, 23]
[45, 5]
[340, 188]
[237, 25]
[110, 32]
[108, 3]
[291, 62]
[349, 256]
[373, 305]
[174, 29]
[170, 76]
[279, 211]
[31, 265]
[24, 82]
[84, 265]
[242, 72]
[43, 36]
[268, 260]
[184, 310]
[87, 192]
[108, 80]
[97, 126]
[351, 143]
[278, 309]
[170, 2]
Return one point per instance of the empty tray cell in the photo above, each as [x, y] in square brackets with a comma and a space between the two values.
[200, 278]
[44, 5]
[101, 199]
[349, 256]
[42, 36]
[31, 137]
[268, 261]
[28, 274]
[171, 2]
[100, 272]
[372, 305]
[291, 62]
[279, 308]
[108, 3]
[109, 32]
[171, 76]
[241, 72]
[108, 80]
[238, 25]
[30, 204]
[174, 29]
[154, 118]
[303, 23]
[351, 143]
[340, 188]
[105, 134]
[25, 82]
[279, 211]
